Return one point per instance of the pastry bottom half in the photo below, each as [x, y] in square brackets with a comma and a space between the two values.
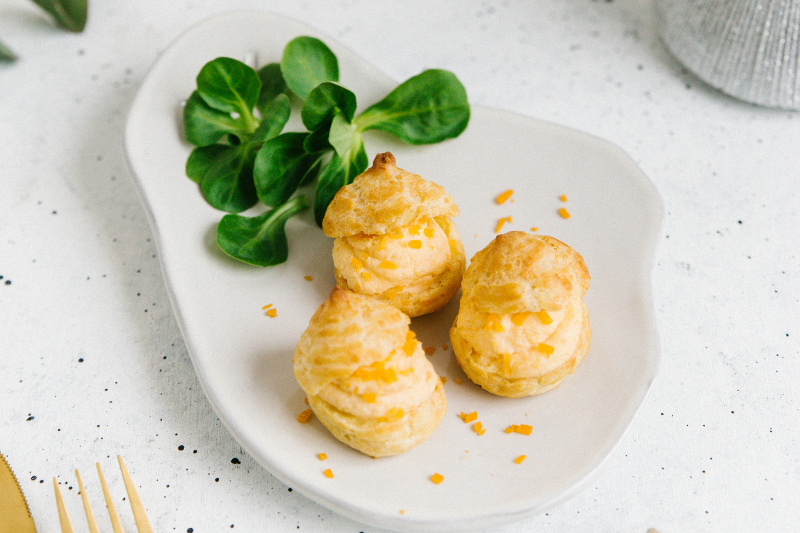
[384, 436]
[519, 386]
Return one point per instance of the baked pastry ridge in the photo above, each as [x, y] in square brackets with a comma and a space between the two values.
[367, 377]
[394, 238]
[522, 324]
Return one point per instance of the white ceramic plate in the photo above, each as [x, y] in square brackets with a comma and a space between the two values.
[243, 358]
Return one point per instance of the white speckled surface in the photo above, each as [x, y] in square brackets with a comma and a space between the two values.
[92, 363]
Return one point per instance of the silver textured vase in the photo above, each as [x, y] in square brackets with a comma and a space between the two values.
[749, 49]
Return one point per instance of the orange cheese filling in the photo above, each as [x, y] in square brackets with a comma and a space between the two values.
[544, 317]
[546, 348]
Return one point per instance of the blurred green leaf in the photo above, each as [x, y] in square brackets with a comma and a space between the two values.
[6, 54]
[69, 14]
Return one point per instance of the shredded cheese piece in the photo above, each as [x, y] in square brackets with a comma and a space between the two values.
[534, 229]
[493, 323]
[411, 343]
[413, 229]
[388, 265]
[507, 363]
[444, 379]
[328, 473]
[477, 427]
[356, 263]
[519, 459]
[383, 243]
[519, 318]
[304, 416]
[305, 400]
[563, 198]
[500, 224]
[546, 348]
[523, 429]
[376, 372]
[369, 397]
[308, 278]
[415, 244]
[510, 429]
[322, 456]
[471, 417]
[444, 347]
[458, 381]
[266, 307]
[393, 292]
[393, 414]
[397, 234]
[563, 212]
[429, 350]
[272, 313]
[366, 276]
[544, 317]
[437, 478]
[428, 232]
[501, 199]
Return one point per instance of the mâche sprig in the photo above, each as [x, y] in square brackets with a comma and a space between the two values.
[236, 116]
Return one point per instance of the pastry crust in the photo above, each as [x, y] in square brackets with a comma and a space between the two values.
[522, 325]
[395, 240]
[367, 378]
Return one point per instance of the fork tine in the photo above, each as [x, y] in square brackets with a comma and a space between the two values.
[112, 511]
[139, 515]
[63, 517]
[86, 506]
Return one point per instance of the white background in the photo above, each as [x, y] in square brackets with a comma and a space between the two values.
[715, 446]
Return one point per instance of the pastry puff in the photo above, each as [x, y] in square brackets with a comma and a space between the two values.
[367, 377]
[394, 239]
[522, 325]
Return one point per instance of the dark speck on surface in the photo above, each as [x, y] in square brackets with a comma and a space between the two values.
[80, 360]
[180, 447]
[236, 461]
[30, 417]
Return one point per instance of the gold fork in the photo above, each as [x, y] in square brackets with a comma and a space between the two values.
[139, 516]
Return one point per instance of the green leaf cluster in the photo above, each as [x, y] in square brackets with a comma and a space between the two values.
[235, 119]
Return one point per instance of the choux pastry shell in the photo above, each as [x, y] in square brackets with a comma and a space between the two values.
[394, 238]
[367, 377]
[522, 325]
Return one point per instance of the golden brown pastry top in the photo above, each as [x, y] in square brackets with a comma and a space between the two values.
[383, 198]
[519, 272]
[341, 337]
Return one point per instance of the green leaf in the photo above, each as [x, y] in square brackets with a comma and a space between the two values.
[427, 108]
[202, 158]
[69, 14]
[317, 141]
[274, 118]
[343, 135]
[259, 240]
[272, 84]
[339, 172]
[306, 63]
[6, 54]
[281, 166]
[231, 86]
[324, 102]
[227, 182]
[204, 125]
